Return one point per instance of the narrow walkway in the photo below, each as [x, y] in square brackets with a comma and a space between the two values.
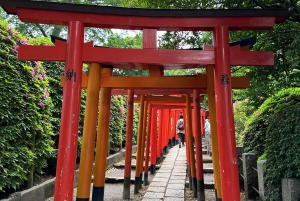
[169, 181]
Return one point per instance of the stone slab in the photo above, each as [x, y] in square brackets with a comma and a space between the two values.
[154, 195]
[179, 173]
[164, 171]
[161, 183]
[163, 175]
[166, 166]
[179, 169]
[159, 179]
[176, 186]
[177, 181]
[174, 177]
[173, 199]
[156, 189]
[174, 193]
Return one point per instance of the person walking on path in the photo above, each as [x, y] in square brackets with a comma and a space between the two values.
[207, 136]
[180, 130]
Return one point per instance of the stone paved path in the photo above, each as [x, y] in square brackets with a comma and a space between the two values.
[169, 181]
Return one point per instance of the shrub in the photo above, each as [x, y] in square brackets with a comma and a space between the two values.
[256, 126]
[136, 112]
[274, 131]
[116, 121]
[240, 110]
[25, 113]
[283, 143]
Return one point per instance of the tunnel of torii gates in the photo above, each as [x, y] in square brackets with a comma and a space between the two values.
[217, 83]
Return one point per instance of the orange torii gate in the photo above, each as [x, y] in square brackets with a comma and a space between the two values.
[74, 52]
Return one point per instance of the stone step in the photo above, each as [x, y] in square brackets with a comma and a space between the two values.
[134, 156]
[117, 176]
[208, 181]
[121, 165]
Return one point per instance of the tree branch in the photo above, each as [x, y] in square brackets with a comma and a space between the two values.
[42, 30]
[235, 70]
[257, 4]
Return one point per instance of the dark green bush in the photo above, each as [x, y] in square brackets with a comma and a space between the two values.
[117, 117]
[274, 130]
[283, 143]
[25, 113]
[256, 126]
[136, 113]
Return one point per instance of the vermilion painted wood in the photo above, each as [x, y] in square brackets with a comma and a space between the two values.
[225, 121]
[177, 112]
[139, 146]
[158, 91]
[162, 99]
[202, 119]
[161, 82]
[167, 59]
[171, 107]
[140, 22]
[144, 129]
[169, 128]
[173, 123]
[129, 128]
[149, 38]
[198, 139]
[65, 170]
[166, 127]
[159, 138]
[153, 135]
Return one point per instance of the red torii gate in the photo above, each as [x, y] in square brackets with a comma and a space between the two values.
[76, 17]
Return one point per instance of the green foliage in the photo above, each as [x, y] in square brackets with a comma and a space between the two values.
[25, 113]
[121, 41]
[116, 122]
[45, 30]
[273, 131]
[282, 143]
[240, 117]
[256, 126]
[136, 112]
[117, 129]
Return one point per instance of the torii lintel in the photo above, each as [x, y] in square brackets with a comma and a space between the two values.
[160, 82]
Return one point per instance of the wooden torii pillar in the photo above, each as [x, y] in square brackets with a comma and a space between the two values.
[74, 52]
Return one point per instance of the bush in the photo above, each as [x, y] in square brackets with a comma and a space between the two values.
[25, 113]
[274, 131]
[256, 126]
[136, 113]
[283, 143]
[240, 110]
[116, 121]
